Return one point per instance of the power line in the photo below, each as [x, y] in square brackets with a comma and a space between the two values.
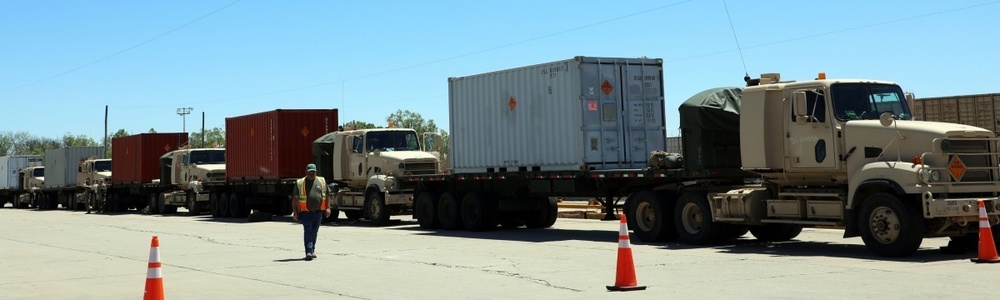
[121, 51]
[838, 31]
[443, 59]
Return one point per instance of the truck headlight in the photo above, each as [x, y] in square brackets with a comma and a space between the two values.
[935, 175]
[391, 184]
[928, 176]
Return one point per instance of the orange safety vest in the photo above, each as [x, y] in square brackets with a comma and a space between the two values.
[300, 184]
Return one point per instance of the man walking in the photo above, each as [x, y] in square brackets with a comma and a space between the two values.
[312, 205]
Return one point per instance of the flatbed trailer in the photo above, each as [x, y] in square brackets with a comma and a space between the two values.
[238, 198]
[480, 201]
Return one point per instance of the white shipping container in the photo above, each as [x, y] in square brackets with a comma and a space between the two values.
[61, 165]
[10, 165]
[582, 113]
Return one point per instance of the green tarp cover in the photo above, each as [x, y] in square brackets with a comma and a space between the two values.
[715, 109]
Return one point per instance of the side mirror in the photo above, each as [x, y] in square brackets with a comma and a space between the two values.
[886, 119]
[800, 107]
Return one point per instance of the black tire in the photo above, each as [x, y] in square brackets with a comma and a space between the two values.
[375, 209]
[164, 208]
[213, 204]
[242, 209]
[693, 220]
[224, 205]
[775, 232]
[192, 204]
[648, 217]
[888, 227]
[425, 210]
[479, 212]
[448, 211]
[545, 216]
[153, 207]
[237, 206]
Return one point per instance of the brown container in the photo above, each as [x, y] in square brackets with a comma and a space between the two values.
[136, 158]
[274, 144]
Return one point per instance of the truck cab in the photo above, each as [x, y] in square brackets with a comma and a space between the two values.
[362, 165]
[182, 175]
[93, 171]
[847, 152]
[31, 179]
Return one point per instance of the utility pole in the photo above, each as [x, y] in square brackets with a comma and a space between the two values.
[183, 112]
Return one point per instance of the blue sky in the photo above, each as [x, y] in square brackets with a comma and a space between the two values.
[61, 62]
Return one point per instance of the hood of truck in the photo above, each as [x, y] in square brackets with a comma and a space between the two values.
[404, 162]
[102, 175]
[402, 156]
[211, 167]
[902, 140]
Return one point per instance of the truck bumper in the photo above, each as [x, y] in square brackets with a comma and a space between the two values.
[405, 199]
[958, 207]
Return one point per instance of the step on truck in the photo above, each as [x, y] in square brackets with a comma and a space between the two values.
[770, 158]
[265, 153]
[360, 167]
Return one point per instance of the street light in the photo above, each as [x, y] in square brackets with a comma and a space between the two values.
[183, 112]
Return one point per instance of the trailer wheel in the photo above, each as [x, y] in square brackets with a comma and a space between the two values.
[448, 208]
[693, 219]
[213, 204]
[888, 227]
[545, 216]
[164, 208]
[375, 209]
[237, 206]
[151, 207]
[479, 212]
[649, 218]
[192, 204]
[224, 205]
[775, 232]
[425, 210]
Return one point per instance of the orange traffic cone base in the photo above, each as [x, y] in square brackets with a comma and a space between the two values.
[626, 288]
[984, 261]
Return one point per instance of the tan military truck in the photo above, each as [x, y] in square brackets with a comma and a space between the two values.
[182, 173]
[361, 167]
[92, 177]
[32, 180]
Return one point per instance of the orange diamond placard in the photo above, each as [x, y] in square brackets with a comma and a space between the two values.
[606, 88]
[957, 168]
[512, 103]
[305, 130]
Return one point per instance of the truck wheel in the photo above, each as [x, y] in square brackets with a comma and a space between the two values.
[545, 216]
[242, 210]
[375, 209]
[775, 232]
[479, 212]
[213, 204]
[192, 204]
[426, 210]
[448, 207]
[164, 207]
[152, 207]
[693, 220]
[233, 205]
[649, 218]
[888, 227]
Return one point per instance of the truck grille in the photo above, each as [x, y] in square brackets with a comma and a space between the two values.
[420, 168]
[978, 155]
[216, 176]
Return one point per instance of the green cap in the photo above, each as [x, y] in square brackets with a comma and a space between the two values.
[311, 168]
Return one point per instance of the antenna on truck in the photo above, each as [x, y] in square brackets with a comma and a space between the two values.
[746, 73]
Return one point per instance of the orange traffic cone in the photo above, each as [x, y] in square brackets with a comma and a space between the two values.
[154, 277]
[625, 275]
[987, 249]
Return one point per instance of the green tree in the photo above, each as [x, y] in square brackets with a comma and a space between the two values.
[352, 125]
[151, 130]
[6, 143]
[117, 134]
[81, 140]
[214, 138]
[408, 119]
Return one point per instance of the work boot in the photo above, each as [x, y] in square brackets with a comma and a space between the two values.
[309, 257]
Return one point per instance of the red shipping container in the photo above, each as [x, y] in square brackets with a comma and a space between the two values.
[275, 144]
[136, 158]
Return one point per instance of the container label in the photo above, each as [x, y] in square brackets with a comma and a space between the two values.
[606, 87]
[592, 105]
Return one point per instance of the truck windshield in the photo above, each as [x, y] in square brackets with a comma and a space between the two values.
[392, 141]
[866, 101]
[102, 166]
[208, 157]
[39, 172]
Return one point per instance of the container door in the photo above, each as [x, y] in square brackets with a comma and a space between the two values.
[601, 94]
[645, 129]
